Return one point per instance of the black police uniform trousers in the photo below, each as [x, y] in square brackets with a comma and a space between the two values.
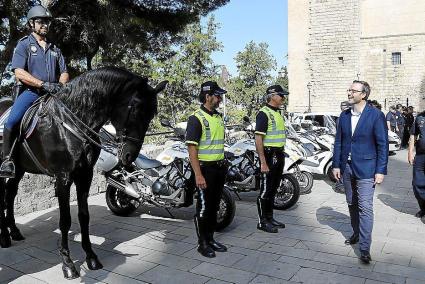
[270, 182]
[418, 181]
[209, 199]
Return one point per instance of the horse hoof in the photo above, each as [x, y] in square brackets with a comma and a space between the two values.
[70, 272]
[16, 235]
[5, 240]
[93, 263]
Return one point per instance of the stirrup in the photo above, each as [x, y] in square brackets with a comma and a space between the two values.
[7, 169]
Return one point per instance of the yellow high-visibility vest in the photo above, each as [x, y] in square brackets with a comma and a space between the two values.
[211, 145]
[276, 130]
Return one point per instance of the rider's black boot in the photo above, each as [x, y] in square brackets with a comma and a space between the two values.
[7, 168]
[269, 214]
[203, 247]
[263, 223]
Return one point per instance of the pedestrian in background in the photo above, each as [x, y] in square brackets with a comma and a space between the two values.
[391, 118]
[417, 143]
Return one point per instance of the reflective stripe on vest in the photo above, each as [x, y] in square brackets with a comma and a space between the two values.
[211, 145]
[276, 131]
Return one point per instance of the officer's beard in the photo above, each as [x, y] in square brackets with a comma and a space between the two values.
[40, 31]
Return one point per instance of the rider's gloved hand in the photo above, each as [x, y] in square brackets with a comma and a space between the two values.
[51, 88]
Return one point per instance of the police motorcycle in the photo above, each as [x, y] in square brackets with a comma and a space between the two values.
[244, 172]
[163, 182]
[318, 147]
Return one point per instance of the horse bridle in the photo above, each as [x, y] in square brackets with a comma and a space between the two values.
[122, 135]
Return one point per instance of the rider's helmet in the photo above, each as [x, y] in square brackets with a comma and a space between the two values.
[38, 12]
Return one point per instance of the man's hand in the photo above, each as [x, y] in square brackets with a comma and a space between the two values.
[379, 178]
[337, 173]
[264, 168]
[410, 157]
[51, 88]
[200, 182]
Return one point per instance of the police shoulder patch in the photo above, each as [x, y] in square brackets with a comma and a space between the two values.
[23, 38]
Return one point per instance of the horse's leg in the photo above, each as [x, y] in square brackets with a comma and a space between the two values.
[83, 179]
[11, 191]
[5, 241]
[63, 184]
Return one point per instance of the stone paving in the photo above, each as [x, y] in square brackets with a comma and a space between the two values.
[150, 247]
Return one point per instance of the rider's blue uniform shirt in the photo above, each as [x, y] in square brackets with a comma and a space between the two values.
[44, 64]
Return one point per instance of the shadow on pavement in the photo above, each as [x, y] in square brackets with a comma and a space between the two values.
[108, 236]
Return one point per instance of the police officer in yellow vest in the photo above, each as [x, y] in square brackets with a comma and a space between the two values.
[205, 140]
[270, 137]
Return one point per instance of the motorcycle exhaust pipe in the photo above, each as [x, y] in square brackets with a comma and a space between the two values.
[127, 188]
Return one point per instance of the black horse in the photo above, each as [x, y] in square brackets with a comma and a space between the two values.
[63, 148]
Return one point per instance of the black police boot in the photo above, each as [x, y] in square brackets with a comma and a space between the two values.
[203, 247]
[7, 168]
[263, 223]
[216, 246]
[269, 214]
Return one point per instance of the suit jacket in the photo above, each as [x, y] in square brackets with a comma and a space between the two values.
[368, 145]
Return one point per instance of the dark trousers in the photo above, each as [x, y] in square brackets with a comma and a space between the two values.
[269, 184]
[275, 159]
[209, 200]
[418, 181]
[359, 196]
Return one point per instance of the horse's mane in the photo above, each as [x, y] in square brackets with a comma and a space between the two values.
[88, 94]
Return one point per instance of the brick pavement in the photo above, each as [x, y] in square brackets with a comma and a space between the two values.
[150, 247]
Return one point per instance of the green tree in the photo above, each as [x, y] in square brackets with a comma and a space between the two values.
[104, 29]
[190, 64]
[255, 64]
[282, 77]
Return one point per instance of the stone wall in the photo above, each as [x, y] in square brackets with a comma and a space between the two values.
[342, 40]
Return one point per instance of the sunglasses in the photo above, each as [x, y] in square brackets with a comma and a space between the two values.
[42, 21]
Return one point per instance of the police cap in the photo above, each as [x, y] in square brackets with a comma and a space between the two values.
[277, 89]
[212, 88]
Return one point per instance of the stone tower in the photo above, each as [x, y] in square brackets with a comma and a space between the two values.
[333, 42]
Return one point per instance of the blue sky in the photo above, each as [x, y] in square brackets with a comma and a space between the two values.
[258, 20]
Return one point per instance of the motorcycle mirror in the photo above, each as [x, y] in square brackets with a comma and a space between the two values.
[246, 119]
[166, 123]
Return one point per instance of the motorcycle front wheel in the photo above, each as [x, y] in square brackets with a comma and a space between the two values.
[120, 203]
[288, 193]
[226, 210]
[305, 180]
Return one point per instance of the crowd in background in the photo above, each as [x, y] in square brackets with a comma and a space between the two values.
[400, 120]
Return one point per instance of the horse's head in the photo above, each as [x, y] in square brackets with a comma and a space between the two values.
[131, 120]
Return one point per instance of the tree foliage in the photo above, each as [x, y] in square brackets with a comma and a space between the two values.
[255, 64]
[108, 29]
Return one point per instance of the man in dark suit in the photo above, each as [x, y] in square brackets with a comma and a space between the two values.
[360, 159]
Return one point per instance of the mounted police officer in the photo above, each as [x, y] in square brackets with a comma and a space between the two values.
[40, 67]
[270, 138]
[205, 140]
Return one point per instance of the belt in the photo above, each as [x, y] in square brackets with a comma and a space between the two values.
[274, 149]
[220, 163]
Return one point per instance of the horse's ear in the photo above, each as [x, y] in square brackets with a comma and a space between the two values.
[160, 87]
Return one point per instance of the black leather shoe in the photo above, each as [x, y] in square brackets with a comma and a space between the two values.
[420, 214]
[354, 239]
[206, 250]
[216, 246]
[277, 223]
[7, 169]
[267, 227]
[365, 257]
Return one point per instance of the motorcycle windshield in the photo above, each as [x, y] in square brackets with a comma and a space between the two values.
[330, 124]
[291, 133]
